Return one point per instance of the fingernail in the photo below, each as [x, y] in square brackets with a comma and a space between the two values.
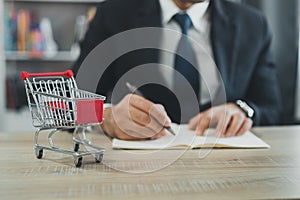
[199, 133]
[218, 134]
[169, 120]
[164, 132]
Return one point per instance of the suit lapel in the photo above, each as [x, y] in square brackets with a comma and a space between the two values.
[149, 14]
[223, 36]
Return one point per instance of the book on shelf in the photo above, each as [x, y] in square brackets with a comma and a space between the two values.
[15, 93]
[24, 32]
[80, 28]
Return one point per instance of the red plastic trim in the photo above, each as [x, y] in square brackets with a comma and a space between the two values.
[24, 75]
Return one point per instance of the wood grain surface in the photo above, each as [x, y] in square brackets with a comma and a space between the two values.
[169, 174]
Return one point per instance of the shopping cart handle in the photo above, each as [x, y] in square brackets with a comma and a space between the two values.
[24, 75]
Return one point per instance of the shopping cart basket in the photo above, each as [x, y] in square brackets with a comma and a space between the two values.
[56, 104]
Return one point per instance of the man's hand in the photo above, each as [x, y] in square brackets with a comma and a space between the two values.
[135, 118]
[228, 119]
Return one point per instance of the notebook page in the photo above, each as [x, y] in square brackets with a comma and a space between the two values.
[183, 139]
[186, 138]
[247, 140]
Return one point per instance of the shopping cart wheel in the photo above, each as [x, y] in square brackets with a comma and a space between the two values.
[99, 157]
[78, 161]
[38, 153]
[76, 147]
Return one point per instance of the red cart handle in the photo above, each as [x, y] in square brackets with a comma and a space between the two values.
[24, 75]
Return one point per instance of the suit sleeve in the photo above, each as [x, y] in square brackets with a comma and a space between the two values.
[94, 36]
[97, 32]
[263, 93]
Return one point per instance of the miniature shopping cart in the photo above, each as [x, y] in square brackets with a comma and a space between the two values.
[56, 104]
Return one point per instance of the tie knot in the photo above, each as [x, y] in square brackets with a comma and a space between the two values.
[184, 21]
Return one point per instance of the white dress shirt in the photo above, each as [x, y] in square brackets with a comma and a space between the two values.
[199, 32]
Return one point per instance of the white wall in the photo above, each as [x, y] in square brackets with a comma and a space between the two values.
[298, 95]
[2, 67]
[298, 83]
[297, 106]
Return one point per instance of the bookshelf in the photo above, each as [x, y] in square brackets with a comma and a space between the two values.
[60, 56]
[62, 15]
[56, 1]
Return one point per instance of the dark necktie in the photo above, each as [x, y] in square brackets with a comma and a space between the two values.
[181, 64]
[184, 65]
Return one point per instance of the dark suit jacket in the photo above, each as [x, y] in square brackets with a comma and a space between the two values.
[240, 40]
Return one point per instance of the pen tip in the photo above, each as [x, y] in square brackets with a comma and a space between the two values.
[171, 131]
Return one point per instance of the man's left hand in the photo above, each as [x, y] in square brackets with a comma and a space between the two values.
[228, 119]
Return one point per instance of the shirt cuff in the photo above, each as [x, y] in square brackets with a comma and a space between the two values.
[107, 105]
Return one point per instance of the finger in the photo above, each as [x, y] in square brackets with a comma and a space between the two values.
[139, 116]
[163, 133]
[164, 110]
[235, 124]
[124, 125]
[247, 125]
[222, 125]
[124, 136]
[151, 136]
[203, 124]
[143, 119]
[157, 111]
[130, 119]
[194, 122]
[140, 102]
[133, 131]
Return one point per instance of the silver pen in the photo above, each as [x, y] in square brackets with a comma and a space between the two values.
[134, 90]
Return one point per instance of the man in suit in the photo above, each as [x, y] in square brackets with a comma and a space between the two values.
[236, 36]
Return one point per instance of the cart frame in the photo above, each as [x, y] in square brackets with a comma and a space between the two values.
[56, 104]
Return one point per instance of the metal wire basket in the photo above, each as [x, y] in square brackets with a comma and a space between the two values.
[56, 104]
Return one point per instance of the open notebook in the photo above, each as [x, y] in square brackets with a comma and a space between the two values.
[186, 139]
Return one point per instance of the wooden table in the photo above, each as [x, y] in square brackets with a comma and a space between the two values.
[223, 173]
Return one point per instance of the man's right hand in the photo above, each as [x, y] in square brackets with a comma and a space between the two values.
[135, 118]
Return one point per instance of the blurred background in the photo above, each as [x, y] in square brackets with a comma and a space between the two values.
[43, 35]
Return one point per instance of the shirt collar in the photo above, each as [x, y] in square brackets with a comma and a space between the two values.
[196, 12]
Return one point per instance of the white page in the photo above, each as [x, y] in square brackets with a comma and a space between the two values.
[186, 138]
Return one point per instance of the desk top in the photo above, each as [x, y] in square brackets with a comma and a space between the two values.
[226, 173]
